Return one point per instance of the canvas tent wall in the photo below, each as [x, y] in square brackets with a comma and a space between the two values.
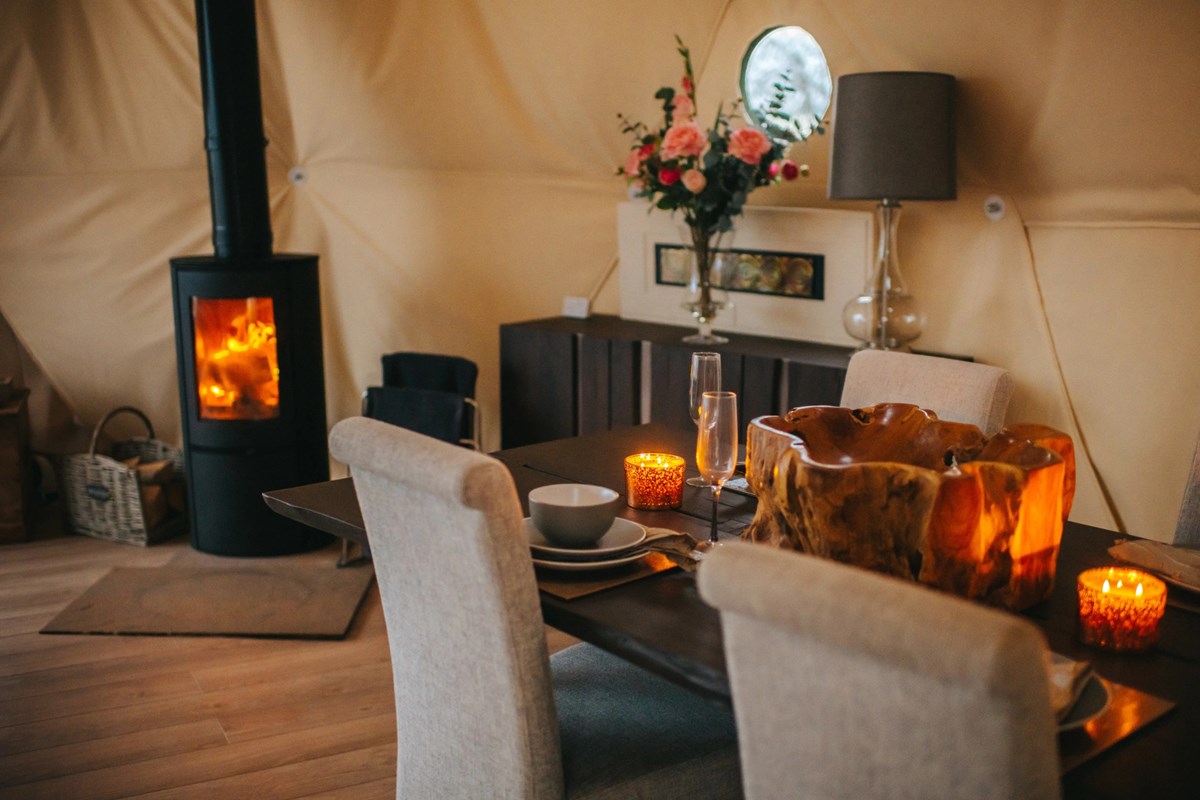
[458, 159]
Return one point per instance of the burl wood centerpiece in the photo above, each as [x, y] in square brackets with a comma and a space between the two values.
[894, 489]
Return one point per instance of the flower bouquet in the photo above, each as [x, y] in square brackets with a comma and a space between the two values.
[706, 174]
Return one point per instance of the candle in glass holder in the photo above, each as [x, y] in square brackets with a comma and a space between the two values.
[654, 480]
[1119, 608]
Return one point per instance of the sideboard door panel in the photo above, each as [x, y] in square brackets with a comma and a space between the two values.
[610, 377]
[813, 385]
[537, 385]
[595, 381]
[759, 394]
[625, 391]
[670, 368]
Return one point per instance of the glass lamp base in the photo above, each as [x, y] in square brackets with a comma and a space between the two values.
[889, 323]
[885, 316]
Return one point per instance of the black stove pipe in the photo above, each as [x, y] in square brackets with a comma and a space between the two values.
[234, 140]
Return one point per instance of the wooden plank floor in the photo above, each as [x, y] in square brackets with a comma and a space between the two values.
[183, 717]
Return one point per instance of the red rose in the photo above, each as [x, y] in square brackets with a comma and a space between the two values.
[790, 170]
[668, 176]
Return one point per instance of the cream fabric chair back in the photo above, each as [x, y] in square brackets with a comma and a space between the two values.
[958, 391]
[848, 684]
[475, 713]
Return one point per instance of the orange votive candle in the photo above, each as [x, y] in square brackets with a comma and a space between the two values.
[654, 480]
[1119, 608]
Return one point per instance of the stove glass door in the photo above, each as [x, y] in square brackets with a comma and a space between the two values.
[237, 364]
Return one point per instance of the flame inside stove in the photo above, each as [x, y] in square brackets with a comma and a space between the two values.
[237, 366]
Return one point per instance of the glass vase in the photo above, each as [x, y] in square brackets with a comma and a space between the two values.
[708, 281]
[885, 316]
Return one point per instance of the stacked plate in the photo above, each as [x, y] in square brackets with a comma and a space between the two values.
[617, 547]
[1089, 698]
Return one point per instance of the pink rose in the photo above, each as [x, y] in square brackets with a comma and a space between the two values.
[684, 139]
[749, 145]
[683, 107]
[668, 176]
[633, 163]
[695, 181]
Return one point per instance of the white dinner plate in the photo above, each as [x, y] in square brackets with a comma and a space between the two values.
[1093, 701]
[621, 536]
[581, 566]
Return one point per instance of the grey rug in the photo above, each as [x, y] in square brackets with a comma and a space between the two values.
[197, 595]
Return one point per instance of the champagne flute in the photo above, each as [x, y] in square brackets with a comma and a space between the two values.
[716, 450]
[705, 376]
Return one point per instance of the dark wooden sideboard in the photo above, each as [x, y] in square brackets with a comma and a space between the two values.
[563, 377]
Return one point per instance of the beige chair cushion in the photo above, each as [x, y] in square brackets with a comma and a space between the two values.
[958, 391]
[848, 684]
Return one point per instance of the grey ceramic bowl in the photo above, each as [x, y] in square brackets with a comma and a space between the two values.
[573, 514]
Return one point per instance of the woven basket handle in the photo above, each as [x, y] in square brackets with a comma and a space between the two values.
[108, 417]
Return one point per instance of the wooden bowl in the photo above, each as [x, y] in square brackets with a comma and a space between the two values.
[894, 489]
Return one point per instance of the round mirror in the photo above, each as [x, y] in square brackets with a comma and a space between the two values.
[786, 84]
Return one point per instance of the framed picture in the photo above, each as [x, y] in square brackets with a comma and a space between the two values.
[790, 270]
[743, 270]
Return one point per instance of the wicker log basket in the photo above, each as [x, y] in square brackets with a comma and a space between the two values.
[133, 496]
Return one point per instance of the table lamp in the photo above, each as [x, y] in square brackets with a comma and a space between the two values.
[893, 140]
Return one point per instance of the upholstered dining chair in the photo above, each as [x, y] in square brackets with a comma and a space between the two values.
[481, 711]
[958, 391]
[848, 684]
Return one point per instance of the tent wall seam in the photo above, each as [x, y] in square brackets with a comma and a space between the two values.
[1109, 502]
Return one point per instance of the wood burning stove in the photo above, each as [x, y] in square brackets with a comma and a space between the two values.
[247, 324]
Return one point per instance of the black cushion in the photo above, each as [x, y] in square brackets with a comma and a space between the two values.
[441, 415]
[430, 371]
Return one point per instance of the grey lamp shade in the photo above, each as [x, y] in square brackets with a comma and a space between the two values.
[893, 137]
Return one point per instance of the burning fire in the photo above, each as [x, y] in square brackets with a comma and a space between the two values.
[237, 367]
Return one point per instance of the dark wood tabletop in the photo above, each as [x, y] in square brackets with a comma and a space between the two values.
[661, 623]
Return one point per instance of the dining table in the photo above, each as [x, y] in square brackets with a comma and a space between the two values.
[1145, 744]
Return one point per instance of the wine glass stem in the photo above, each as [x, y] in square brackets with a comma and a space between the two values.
[712, 533]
